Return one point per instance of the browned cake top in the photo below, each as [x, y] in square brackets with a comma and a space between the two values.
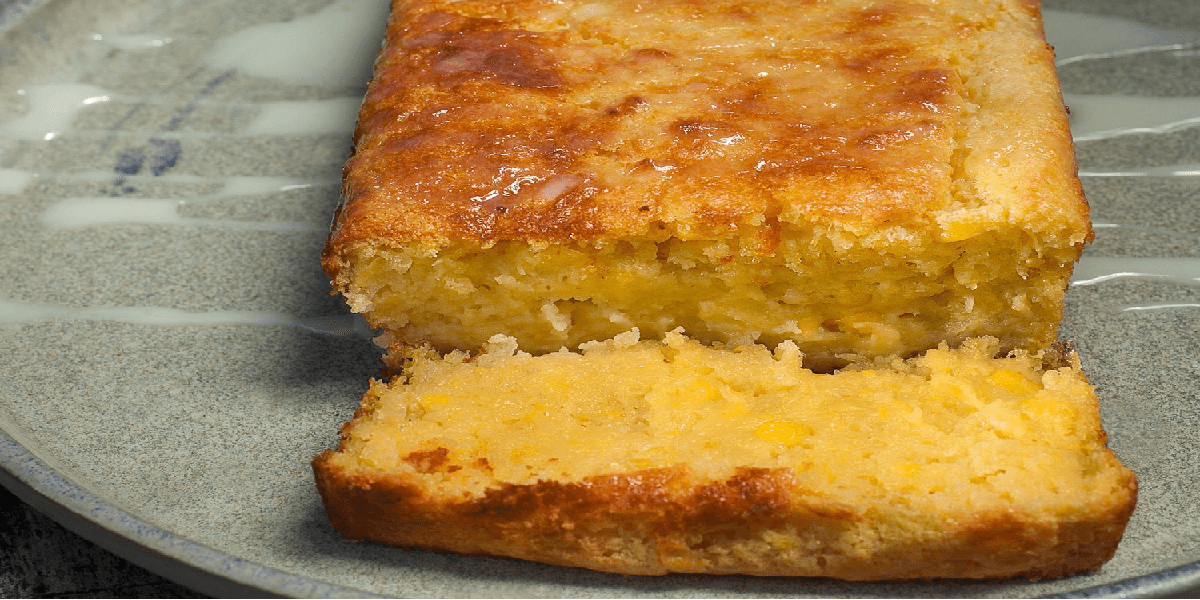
[571, 120]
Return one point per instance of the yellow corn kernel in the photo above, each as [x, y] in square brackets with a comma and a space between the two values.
[702, 389]
[863, 320]
[787, 433]
[961, 230]
[1050, 413]
[428, 402]
[945, 390]
[1014, 382]
[808, 325]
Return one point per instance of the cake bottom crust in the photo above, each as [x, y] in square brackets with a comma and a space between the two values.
[661, 521]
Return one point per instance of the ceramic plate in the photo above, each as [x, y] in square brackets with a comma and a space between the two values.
[172, 357]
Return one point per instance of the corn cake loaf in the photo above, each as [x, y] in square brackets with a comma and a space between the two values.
[674, 456]
[864, 179]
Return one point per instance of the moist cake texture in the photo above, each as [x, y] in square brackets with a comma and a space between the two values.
[864, 179]
[674, 456]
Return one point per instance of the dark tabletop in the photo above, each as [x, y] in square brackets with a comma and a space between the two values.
[41, 559]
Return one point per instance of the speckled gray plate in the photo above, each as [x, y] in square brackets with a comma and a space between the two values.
[171, 358]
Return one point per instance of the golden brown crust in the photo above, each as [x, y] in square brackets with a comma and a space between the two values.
[757, 522]
[489, 121]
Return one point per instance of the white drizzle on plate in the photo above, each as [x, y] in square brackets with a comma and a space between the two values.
[1092, 270]
[337, 115]
[51, 109]
[1078, 37]
[145, 41]
[12, 181]
[12, 311]
[1188, 170]
[324, 48]
[1097, 117]
[102, 210]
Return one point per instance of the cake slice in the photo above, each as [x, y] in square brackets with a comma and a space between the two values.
[863, 179]
[649, 457]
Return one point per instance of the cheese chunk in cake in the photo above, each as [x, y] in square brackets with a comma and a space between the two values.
[652, 457]
[862, 178]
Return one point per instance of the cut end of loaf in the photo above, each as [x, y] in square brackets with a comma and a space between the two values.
[837, 304]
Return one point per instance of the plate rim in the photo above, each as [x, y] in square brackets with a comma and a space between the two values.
[186, 562]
